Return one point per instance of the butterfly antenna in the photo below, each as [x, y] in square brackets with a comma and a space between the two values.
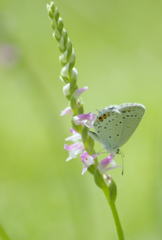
[98, 110]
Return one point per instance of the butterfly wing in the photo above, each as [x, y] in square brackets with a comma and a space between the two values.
[131, 116]
[114, 125]
[108, 127]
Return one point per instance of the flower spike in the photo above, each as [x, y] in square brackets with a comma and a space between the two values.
[83, 143]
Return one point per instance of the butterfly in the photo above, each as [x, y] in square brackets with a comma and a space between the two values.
[114, 125]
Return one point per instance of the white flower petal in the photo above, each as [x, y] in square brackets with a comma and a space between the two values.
[66, 89]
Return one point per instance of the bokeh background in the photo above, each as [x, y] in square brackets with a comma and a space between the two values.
[118, 45]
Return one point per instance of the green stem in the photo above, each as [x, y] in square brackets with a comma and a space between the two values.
[115, 215]
[117, 221]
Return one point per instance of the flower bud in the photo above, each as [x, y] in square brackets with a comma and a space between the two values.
[66, 89]
[85, 134]
[99, 180]
[60, 25]
[112, 191]
[51, 9]
[65, 71]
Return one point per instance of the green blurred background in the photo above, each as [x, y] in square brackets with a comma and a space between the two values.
[118, 45]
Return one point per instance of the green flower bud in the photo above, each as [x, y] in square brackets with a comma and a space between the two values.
[72, 60]
[65, 71]
[56, 34]
[64, 79]
[99, 180]
[90, 145]
[60, 25]
[51, 10]
[56, 14]
[85, 134]
[63, 58]
[54, 23]
[65, 36]
[80, 109]
[112, 191]
[73, 104]
[69, 47]
[61, 44]
[52, 6]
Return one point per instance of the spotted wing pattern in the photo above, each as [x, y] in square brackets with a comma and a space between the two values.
[114, 125]
[132, 115]
[108, 126]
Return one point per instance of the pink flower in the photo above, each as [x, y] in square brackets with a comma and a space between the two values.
[87, 160]
[75, 137]
[102, 166]
[79, 91]
[84, 119]
[78, 148]
[74, 149]
[67, 110]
